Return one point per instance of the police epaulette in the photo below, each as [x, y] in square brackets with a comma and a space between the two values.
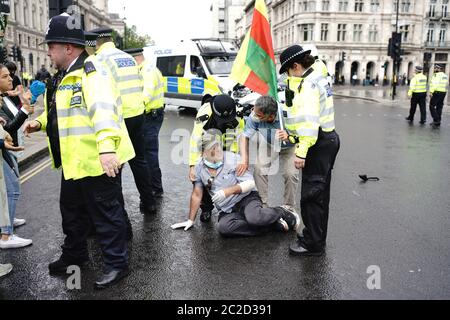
[89, 67]
[202, 118]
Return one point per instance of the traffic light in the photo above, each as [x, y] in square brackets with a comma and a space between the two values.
[344, 56]
[14, 53]
[19, 54]
[395, 46]
[3, 55]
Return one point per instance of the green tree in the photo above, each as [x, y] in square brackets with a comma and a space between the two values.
[132, 39]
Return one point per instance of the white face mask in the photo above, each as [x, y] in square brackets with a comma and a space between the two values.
[254, 118]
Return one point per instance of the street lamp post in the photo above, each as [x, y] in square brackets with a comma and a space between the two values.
[396, 58]
[125, 30]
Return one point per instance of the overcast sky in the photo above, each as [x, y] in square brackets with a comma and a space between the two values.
[167, 20]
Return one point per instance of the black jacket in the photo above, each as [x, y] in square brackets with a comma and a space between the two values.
[13, 123]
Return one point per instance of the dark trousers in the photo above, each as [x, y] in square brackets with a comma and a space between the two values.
[152, 127]
[139, 165]
[249, 218]
[95, 199]
[436, 106]
[315, 194]
[418, 99]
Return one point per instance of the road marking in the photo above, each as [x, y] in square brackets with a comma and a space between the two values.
[35, 171]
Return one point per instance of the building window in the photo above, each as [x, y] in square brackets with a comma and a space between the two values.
[341, 32]
[405, 6]
[325, 5]
[404, 30]
[442, 33]
[307, 31]
[373, 33]
[359, 4]
[343, 4]
[324, 32]
[357, 32]
[445, 8]
[311, 5]
[374, 5]
[432, 9]
[430, 33]
[304, 6]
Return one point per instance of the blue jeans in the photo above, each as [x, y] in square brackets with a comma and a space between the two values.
[13, 191]
[152, 127]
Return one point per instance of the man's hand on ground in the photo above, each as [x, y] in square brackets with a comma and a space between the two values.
[186, 225]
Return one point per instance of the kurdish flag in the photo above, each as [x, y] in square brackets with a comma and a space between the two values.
[255, 65]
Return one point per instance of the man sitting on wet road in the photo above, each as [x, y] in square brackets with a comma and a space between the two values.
[241, 212]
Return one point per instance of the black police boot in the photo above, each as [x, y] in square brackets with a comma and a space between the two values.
[205, 216]
[297, 249]
[147, 209]
[110, 278]
[60, 266]
[409, 119]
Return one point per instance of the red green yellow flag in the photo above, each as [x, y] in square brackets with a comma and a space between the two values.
[255, 65]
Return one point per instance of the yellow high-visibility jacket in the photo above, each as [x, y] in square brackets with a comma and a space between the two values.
[90, 121]
[153, 87]
[439, 82]
[418, 84]
[313, 108]
[126, 73]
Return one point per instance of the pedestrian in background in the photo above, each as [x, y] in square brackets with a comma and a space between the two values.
[438, 92]
[418, 94]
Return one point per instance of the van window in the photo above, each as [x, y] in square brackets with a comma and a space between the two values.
[171, 66]
[197, 68]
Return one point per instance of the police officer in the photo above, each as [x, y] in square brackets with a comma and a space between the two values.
[219, 113]
[154, 116]
[89, 142]
[418, 93]
[310, 124]
[318, 66]
[438, 91]
[91, 42]
[129, 82]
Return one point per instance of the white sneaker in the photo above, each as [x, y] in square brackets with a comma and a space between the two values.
[5, 269]
[19, 222]
[15, 242]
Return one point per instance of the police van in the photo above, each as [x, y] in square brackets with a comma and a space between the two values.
[194, 68]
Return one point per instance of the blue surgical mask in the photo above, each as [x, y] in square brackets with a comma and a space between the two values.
[214, 166]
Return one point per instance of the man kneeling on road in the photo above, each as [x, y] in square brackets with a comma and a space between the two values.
[241, 212]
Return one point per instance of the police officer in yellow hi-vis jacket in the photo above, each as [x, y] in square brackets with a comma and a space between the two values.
[220, 113]
[438, 91]
[154, 116]
[418, 93]
[309, 121]
[88, 140]
[129, 83]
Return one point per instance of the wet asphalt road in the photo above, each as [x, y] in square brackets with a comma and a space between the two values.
[400, 224]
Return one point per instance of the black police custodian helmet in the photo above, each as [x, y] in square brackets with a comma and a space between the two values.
[289, 54]
[61, 30]
[224, 109]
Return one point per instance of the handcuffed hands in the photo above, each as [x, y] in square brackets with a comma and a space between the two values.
[186, 225]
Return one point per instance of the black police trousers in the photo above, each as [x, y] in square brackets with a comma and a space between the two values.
[94, 199]
[139, 165]
[421, 100]
[315, 194]
[436, 106]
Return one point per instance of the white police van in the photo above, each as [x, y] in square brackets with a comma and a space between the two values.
[194, 68]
